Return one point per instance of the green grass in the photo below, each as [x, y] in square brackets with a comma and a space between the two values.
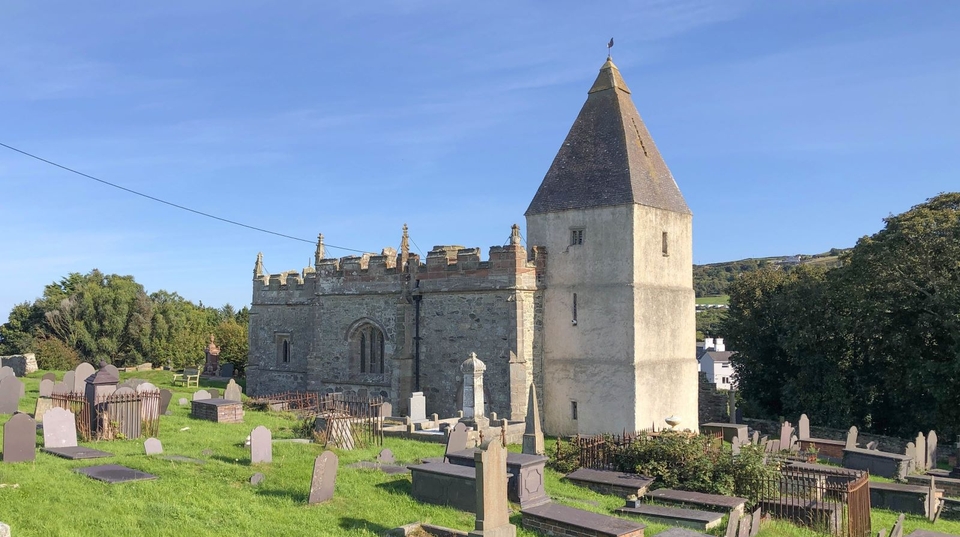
[721, 299]
[46, 498]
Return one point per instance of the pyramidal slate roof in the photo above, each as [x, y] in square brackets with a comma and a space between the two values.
[608, 157]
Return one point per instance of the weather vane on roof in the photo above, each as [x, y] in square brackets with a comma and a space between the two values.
[609, 46]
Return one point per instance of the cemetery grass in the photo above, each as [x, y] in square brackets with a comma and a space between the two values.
[47, 498]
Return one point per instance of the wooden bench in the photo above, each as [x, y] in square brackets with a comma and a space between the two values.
[562, 521]
[674, 516]
[188, 377]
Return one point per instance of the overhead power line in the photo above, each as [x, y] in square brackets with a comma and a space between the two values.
[170, 203]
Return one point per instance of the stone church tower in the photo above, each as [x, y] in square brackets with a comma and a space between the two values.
[618, 316]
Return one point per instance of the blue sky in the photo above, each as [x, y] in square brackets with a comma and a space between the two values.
[791, 127]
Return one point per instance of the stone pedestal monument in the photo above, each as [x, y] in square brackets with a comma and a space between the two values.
[533, 434]
[473, 414]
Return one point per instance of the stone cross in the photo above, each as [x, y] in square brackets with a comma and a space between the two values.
[533, 434]
[324, 477]
[493, 514]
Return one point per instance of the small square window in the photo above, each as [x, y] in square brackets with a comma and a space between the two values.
[576, 237]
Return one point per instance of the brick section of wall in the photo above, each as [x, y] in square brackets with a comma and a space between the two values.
[555, 528]
[227, 413]
[713, 402]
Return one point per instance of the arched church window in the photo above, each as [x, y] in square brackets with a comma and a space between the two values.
[368, 348]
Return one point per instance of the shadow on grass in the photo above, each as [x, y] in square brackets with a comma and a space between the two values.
[242, 461]
[296, 497]
[353, 524]
[401, 487]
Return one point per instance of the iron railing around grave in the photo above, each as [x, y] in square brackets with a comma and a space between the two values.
[603, 451]
[835, 501]
[349, 421]
[114, 416]
[304, 404]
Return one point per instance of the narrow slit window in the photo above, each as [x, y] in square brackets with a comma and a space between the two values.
[666, 252]
[574, 309]
[573, 409]
[363, 353]
[286, 351]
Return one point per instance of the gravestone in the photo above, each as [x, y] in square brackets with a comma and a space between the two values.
[256, 478]
[61, 388]
[20, 439]
[851, 438]
[386, 457]
[261, 445]
[921, 452]
[43, 405]
[232, 392]
[152, 446]
[735, 446]
[9, 394]
[149, 407]
[932, 450]
[732, 525]
[69, 379]
[418, 407]
[493, 512]
[81, 373]
[324, 477]
[786, 429]
[226, 370]
[114, 473]
[755, 521]
[165, 396]
[744, 530]
[458, 439]
[52, 377]
[533, 434]
[755, 439]
[46, 388]
[794, 443]
[6, 371]
[183, 401]
[873, 445]
[214, 393]
[473, 403]
[59, 428]
[111, 370]
[803, 432]
[386, 410]
[200, 395]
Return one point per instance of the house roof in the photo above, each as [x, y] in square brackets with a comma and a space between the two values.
[608, 158]
[719, 356]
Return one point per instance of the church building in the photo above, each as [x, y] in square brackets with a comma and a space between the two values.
[597, 310]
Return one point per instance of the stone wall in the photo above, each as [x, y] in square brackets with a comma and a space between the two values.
[22, 364]
[713, 403]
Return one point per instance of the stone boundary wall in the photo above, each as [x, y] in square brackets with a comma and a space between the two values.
[713, 402]
[22, 364]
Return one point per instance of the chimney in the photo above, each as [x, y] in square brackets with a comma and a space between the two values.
[708, 343]
[719, 345]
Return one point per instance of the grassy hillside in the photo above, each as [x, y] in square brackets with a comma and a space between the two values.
[711, 280]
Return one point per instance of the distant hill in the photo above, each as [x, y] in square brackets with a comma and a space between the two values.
[713, 279]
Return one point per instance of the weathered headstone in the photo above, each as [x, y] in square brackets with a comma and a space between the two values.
[803, 432]
[200, 395]
[183, 401]
[6, 371]
[261, 445]
[533, 434]
[152, 446]
[232, 392]
[744, 530]
[69, 378]
[735, 446]
[59, 428]
[324, 477]
[458, 438]
[61, 388]
[755, 439]
[873, 445]
[19, 438]
[256, 478]
[49, 376]
[43, 405]
[932, 450]
[732, 524]
[921, 453]
[786, 429]
[9, 394]
[794, 443]
[755, 522]
[46, 388]
[165, 396]
[851, 438]
[418, 407]
[911, 453]
[214, 393]
[81, 373]
[493, 513]
[386, 457]
[386, 410]
[897, 530]
[111, 370]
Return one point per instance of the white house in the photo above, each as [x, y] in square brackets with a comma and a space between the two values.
[714, 360]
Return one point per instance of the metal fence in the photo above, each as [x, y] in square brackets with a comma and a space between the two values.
[603, 452]
[835, 501]
[114, 416]
[304, 404]
[349, 421]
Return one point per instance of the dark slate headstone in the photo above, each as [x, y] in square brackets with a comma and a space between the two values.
[19, 439]
[77, 453]
[114, 473]
[61, 388]
[9, 394]
[458, 439]
[46, 388]
[324, 477]
[261, 445]
[69, 378]
[59, 428]
[214, 393]
[6, 371]
[165, 396]
[52, 377]
[386, 457]
[256, 478]
[226, 370]
[232, 393]
[152, 446]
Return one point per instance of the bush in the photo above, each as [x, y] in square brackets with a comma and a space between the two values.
[53, 354]
[566, 458]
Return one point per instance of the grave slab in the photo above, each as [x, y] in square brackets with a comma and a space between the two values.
[571, 521]
[181, 458]
[675, 516]
[114, 473]
[75, 453]
[712, 502]
[681, 532]
[610, 482]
